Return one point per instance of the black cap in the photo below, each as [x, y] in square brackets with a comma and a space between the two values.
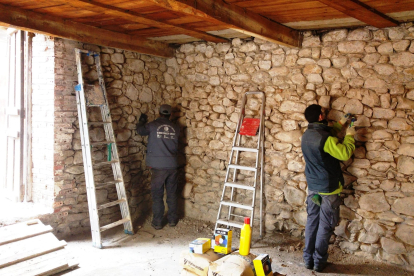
[165, 109]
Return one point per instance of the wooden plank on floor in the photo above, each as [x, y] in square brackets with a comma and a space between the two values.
[43, 265]
[26, 249]
[24, 233]
[11, 228]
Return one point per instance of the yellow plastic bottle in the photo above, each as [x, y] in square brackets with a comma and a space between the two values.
[245, 238]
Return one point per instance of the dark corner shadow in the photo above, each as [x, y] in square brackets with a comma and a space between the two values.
[182, 160]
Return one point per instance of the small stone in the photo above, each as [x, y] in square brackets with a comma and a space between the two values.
[405, 233]
[289, 136]
[383, 113]
[349, 246]
[360, 34]
[351, 47]
[248, 47]
[404, 206]
[354, 106]
[405, 165]
[392, 247]
[382, 135]
[404, 59]
[368, 237]
[292, 107]
[336, 35]
[398, 124]
[374, 202]
[294, 196]
[390, 216]
[385, 48]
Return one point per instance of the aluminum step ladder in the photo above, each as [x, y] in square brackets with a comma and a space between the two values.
[95, 96]
[245, 127]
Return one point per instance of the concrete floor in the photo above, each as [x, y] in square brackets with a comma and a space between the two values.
[157, 252]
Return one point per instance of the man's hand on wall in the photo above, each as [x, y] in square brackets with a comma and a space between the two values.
[350, 131]
[344, 118]
[143, 119]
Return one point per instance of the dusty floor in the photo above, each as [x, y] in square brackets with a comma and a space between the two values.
[153, 252]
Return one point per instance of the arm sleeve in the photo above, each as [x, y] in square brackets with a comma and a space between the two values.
[340, 151]
[336, 128]
[143, 130]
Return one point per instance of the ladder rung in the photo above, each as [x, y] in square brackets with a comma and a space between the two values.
[239, 186]
[114, 224]
[102, 143]
[110, 204]
[237, 205]
[245, 149]
[106, 162]
[97, 105]
[245, 168]
[102, 185]
[230, 223]
[99, 123]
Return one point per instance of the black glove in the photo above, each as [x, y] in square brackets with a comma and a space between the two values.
[143, 119]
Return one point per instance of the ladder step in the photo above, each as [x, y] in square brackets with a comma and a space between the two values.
[245, 168]
[99, 123]
[239, 186]
[245, 149]
[109, 183]
[106, 162]
[102, 143]
[110, 204]
[114, 224]
[232, 223]
[237, 205]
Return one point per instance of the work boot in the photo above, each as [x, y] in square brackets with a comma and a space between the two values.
[156, 227]
[320, 267]
[172, 223]
[309, 265]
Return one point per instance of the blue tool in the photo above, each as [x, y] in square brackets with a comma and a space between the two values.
[353, 120]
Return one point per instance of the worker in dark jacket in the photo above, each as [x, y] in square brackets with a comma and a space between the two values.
[322, 152]
[162, 153]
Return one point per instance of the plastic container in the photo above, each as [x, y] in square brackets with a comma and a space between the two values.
[245, 238]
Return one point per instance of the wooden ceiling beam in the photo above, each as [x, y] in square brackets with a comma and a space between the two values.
[235, 17]
[56, 26]
[139, 18]
[362, 12]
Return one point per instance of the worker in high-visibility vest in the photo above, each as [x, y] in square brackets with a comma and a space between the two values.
[322, 152]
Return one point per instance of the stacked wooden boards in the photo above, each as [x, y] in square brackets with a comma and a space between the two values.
[29, 248]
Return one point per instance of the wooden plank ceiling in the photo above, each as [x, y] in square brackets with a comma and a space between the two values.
[155, 26]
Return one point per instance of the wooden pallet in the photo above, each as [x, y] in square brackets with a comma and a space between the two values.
[29, 248]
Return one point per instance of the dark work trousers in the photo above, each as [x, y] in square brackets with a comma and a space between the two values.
[164, 178]
[320, 225]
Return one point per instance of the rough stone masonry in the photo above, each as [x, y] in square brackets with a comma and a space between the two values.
[368, 72]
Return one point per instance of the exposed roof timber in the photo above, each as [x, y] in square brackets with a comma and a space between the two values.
[326, 24]
[362, 12]
[55, 26]
[138, 18]
[236, 18]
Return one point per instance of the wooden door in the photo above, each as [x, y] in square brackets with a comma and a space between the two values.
[14, 116]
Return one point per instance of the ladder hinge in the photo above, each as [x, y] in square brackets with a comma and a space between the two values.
[78, 87]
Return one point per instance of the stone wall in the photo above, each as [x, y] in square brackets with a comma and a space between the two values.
[43, 84]
[135, 84]
[367, 72]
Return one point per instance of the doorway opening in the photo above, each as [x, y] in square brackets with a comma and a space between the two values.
[16, 135]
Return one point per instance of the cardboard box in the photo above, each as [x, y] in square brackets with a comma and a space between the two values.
[222, 240]
[233, 264]
[200, 245]
[198, 263]
[262, 265]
